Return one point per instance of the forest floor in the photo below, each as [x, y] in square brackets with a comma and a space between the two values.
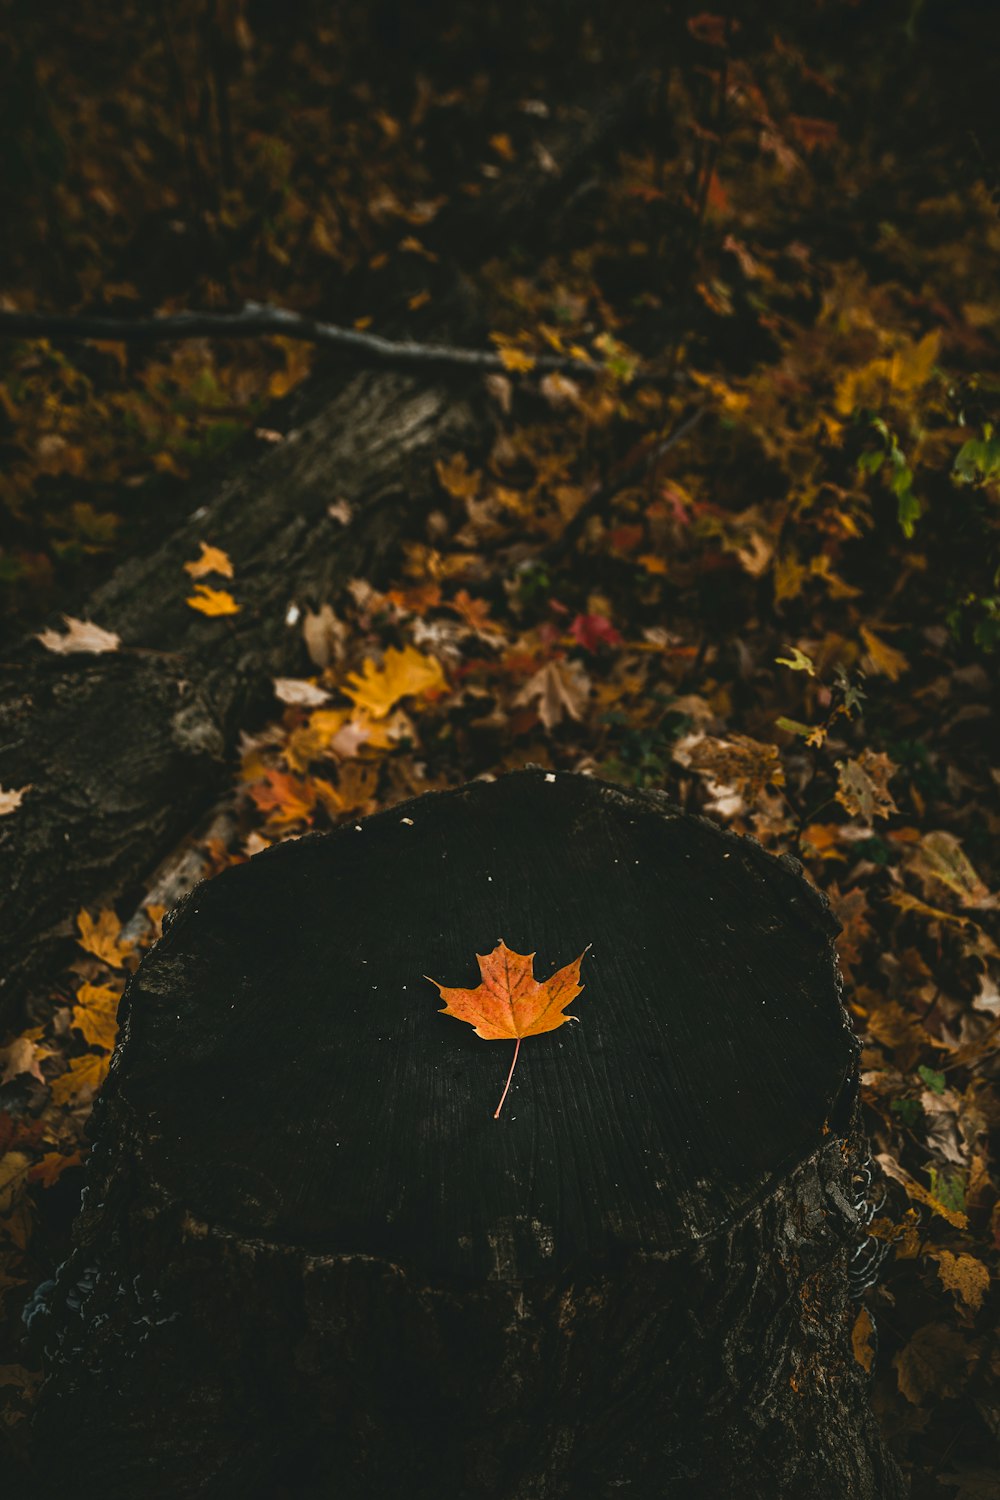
[755, 564]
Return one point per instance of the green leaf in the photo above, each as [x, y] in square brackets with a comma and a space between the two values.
[936, 1082]
[792, 726]
[798, 661]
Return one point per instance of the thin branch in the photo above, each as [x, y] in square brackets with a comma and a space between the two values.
[260, 320]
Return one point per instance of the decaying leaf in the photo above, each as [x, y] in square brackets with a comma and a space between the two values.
[935, 1362]
[916, 1190]
[22, 1056]
[212, 560]
[559, 689]
[739, 762]
[297, 690]
[212, 601]
[403, 674]
[80, 635]
[11, 799]
[863, 786]
[964, 1275]
[939, 859]
[510, 1002]
[861, 1339]
[325, 636]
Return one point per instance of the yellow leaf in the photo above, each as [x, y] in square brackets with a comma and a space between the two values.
[402, 674]
[964, 1275]
[883, 657]
[84, 1078]
[906, 370]
[861, 1339]
[15, 1205]
[913, 363]
[13, 1175]
[516, 360]
[212, 601]
[456, 477]
[789, 576]
[212, 560]
[95, 1015]
[101, 938]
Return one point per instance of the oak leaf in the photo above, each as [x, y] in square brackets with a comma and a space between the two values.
[940, 860]
[403, 674]
[212, 601]
[80, 635]
[212, 560]
[863, 785]
[510, 1002]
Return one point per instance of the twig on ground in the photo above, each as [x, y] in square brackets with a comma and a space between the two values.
[260, 320]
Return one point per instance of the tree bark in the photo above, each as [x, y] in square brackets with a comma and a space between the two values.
[124, 751]
[311, 1262]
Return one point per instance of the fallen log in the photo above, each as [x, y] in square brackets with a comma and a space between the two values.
[312, 1262]
[122, 752]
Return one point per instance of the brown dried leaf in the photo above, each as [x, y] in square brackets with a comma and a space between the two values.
[941, 860]
[325, 636]
[861, 1339]
[81, 635]
[559, 689]
[864, 785]
[936, 1363]
[11, 799]
[300, 692]
[964, 1275]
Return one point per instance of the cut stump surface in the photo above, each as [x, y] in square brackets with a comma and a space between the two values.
[336, 1257]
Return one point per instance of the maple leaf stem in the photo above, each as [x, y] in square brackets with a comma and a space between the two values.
[506, 1087]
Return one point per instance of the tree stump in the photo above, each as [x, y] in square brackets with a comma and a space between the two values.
[311, 1263]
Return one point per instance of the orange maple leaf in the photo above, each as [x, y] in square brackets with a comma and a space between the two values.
[510, 1002]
